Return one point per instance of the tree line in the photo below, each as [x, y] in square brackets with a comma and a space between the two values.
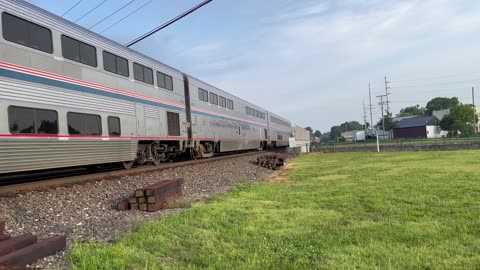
[459, 119]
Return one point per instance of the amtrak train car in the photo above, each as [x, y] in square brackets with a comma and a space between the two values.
[70, 97]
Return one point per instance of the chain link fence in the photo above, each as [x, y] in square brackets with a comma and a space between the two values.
[447, 143]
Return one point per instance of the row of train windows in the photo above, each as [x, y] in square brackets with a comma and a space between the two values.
[253, 112]
[32, 35]
[40, 121]
[214, 99]
[278, 121]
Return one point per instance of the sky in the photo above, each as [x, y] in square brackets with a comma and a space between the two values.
[310, 61]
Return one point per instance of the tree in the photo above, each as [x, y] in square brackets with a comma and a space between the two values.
[441, 103]
[335, 132]
[325, 137]
[317, 133]
[459, 119]
[389, 124]
[350, 126]
[309, 129]
[412, 110]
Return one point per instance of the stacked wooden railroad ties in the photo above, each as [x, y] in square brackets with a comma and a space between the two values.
[272, 161]
[19, 251]
[152, 198]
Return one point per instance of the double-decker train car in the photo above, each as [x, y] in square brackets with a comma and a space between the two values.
[70, 97]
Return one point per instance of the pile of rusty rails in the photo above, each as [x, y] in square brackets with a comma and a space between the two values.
[271, 161]
[19, 251]
[152, 198]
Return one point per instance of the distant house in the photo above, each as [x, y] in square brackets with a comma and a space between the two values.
[418, 127]
[440, 114]
[301, 138]
[354, 135]
[400, 118]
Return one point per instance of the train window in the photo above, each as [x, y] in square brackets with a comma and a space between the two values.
[279, 137]
[142, 73]
[114, 126]
[115, 64]
[213, 98]
[164, 81]
[247, 111]
[46, 122]
[252, 112]
[173, 123]
[26, 33]
[78, 51]
[229, 104]
[84, 124]
[202, 94]
[222, 101]
[32, 121]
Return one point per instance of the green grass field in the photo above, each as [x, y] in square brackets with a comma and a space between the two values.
[408, 210]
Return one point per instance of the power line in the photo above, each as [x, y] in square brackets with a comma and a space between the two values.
[438, 77]
[431, 90]
[179, 17]
[72, 8]
[124, 6]
[90, 11]
[439, 83]
[131, 13]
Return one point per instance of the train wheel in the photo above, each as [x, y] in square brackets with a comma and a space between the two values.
[127, 164]
[157, 161]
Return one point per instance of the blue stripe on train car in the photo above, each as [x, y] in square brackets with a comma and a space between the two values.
[55, 83]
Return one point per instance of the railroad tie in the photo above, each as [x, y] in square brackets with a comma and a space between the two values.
[153, 197]
[34, 252]
[122, 204]
[16, 243]
[2, 226]
[16, 252]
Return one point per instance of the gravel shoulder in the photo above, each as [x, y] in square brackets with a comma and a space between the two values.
[83, 212]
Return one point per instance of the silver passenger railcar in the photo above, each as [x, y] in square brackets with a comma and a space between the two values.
[70, 97]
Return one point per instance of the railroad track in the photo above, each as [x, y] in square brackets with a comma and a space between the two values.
[81, 176]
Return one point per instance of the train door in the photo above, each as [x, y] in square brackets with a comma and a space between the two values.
[140, 111]
[240, 139]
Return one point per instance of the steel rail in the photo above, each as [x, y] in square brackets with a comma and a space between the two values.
[12, 190]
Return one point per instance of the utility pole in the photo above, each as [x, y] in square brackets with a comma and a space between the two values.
[387, 93]
[474, 113]
[364, 116]
[383, 117]
[370, 105]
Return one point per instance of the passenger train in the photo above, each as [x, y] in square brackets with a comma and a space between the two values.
[70, 97]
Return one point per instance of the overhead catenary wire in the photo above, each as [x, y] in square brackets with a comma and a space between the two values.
[128, 15]
[72, 8]
[91, 10]
[115, 12]
[179, 17]
[469, 81]
[437, 77]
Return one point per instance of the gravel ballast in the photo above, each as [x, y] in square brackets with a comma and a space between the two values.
[83, 212]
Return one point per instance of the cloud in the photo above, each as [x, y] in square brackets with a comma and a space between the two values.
[311, 61]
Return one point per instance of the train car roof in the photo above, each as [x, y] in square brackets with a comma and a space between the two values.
[44, 17]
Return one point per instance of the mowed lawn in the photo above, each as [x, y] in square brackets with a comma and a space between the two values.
[414, 210]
